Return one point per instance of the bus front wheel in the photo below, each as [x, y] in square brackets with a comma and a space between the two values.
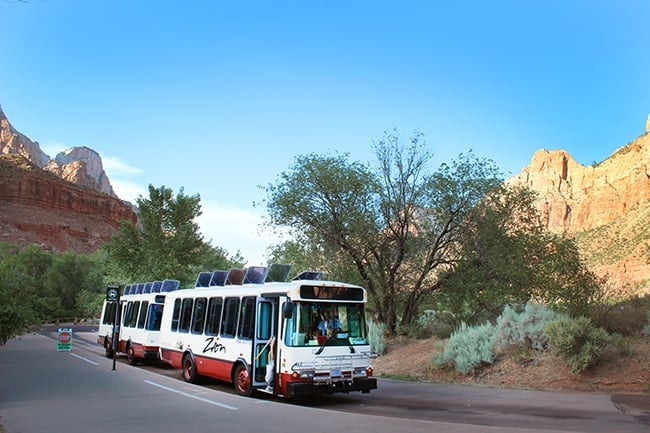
[130, 356]
[242, 380]
[189, 369]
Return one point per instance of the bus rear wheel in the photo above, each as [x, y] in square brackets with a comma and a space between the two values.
[189, 369]
[108, 349]
[242, 380]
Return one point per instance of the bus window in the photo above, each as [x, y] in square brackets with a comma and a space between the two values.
[154, 317]
[143, 314]
[177, 315]
[247, 318]
[229, 323]
[198, 318]
[186, 315]
[214, 316]
[265, 320]
[109, 313]
[133, 318]
[309, 320]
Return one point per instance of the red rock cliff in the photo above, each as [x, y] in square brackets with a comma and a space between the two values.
[37, 207]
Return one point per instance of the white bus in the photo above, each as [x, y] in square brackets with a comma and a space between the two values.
[139, 317]
[235, 324]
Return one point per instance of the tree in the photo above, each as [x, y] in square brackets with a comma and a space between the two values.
[166, 244]
[397, 225]
[507, 257]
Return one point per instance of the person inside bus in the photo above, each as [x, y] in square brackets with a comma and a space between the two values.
[329, 325]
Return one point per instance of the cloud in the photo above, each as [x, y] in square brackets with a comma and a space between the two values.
[127, 190]
[114, 166]
[236, 229]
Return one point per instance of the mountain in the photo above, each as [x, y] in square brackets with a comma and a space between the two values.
[605, 207]
[62, 204]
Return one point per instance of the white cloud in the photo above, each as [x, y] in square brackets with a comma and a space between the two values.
[127, 190]
[236, 229]
[114, 166]
[53, 149]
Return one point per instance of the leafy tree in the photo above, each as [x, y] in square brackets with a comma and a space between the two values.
[508, 258]
[167, 243]
[23, 298]
[397, 224]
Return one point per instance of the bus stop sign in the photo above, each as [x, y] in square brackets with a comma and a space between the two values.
[112, 293]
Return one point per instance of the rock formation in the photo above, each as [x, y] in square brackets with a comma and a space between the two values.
[599, 205]
[65, 204]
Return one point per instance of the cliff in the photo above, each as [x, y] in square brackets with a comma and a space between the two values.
[39, 208]
[605, 207]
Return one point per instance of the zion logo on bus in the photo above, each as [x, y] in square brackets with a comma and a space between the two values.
[64, 341]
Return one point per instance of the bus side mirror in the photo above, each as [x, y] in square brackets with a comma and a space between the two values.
[287, 310]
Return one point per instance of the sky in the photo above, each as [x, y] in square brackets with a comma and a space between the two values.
[219, 97]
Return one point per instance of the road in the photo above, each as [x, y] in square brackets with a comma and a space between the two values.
[42, 390]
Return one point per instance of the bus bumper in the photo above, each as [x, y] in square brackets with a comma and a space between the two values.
[306, 389]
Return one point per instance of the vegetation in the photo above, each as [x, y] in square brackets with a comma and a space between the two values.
[37, 285]
[577, 341]
[166, 243]
[455, 239]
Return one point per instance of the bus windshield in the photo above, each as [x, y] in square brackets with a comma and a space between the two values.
[330, 323]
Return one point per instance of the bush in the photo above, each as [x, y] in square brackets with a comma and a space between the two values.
[469, 347]
[376, 337]
[577, 341]
[626, 318]
[525, 328]
[430, 323]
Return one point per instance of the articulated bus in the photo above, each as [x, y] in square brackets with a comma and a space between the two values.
[257, 331]
[139, 317]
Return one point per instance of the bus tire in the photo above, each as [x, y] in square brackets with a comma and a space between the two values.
[189, 369]
[130, 356]
[241, 378]
[108, 349]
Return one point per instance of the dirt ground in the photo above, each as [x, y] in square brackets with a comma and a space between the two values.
[626, 371]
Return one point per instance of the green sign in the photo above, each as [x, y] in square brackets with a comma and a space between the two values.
[64, 342]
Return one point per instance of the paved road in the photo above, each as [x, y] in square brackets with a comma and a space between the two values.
[42, 390]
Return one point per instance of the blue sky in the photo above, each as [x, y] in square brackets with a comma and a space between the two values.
[218, 97]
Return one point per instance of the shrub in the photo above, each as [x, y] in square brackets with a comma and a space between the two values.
[525, 328]
[577, 341]
[469, 347]
[430, 323]
[376, 337]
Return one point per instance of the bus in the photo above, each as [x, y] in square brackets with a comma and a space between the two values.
[139, 314]
[252, 328]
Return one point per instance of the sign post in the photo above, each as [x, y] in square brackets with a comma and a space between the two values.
[113, 295]
[64, 340]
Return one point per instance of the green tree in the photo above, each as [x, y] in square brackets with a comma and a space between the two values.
[507, 257]
[166, 244]
[397, 225]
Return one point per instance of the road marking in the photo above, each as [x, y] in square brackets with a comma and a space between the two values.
[205, 400]
[84, 359]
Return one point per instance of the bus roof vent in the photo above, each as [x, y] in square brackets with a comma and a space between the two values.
[155, 287]
[236, 276]
[218, 278]
[309, 275]
[147, 287]
[278, 273]
[203, 280]
[169, 285]
[256, 275]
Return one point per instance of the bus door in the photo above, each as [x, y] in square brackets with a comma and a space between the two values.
[264, 339]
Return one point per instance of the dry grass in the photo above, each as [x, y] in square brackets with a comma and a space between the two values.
[522, 369]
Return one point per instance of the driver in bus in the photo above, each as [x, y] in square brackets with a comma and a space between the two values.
[330, 324]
